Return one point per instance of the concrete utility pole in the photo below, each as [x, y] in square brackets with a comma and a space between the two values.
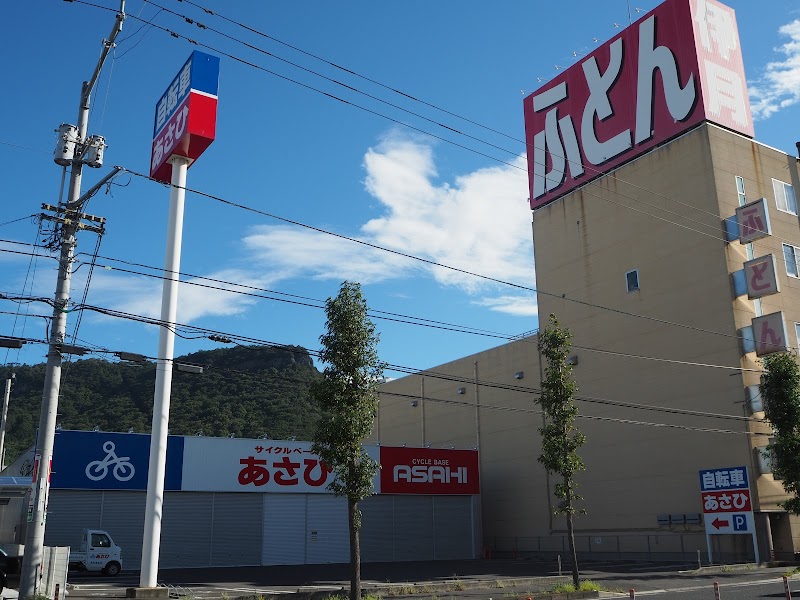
[71, 223]
[6, 399]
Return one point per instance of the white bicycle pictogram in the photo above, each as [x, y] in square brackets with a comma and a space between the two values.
[123, 469]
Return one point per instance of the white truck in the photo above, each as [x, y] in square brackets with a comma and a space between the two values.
[98, 553]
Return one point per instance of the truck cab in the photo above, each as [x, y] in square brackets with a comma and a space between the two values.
[98, 553]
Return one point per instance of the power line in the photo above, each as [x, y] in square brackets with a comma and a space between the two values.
[318, 303]
[12, 145]
[678, 362]
[350, 71]
[30, 272]
[33, 216]
[579, 415]
[405, 318]
[435, 375]
[408, 319]
[587, 167]
[496, 385]
[597, 171]
[377, 313]
[317, 90]
[438, 264]
[331, 80]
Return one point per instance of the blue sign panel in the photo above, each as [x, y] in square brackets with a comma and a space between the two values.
[110, 461]
[731, 478]
[200, 73]
[739, 522]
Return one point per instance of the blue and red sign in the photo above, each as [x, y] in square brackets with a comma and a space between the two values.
[727, 506]
[186, 115]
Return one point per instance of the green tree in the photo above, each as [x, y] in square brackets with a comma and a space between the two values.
[348, 398]
[780, 393]
[560, 439]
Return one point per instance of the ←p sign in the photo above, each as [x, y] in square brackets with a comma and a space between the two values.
[186, 115]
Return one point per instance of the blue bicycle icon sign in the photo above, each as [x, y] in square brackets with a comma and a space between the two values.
[123, 469]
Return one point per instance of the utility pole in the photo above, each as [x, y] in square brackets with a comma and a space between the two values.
[6, 399]
[74, 149]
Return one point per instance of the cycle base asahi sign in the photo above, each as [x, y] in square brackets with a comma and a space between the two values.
[99, 460]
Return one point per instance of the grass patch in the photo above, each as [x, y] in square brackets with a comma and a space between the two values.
[499, 584]
[585, 586]
[397, 590]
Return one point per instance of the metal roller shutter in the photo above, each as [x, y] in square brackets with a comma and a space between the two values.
[69, 512]
[413, 528]
[327, 534]
[284, 529]
[236, 538]
[452, 520]
[377, 529]
[123, 518]
[185, 530]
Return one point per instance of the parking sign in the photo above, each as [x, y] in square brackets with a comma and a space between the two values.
[727, 506]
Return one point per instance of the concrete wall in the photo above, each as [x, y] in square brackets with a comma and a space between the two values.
[661, 215]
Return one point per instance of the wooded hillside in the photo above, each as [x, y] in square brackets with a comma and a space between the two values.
[246, 391]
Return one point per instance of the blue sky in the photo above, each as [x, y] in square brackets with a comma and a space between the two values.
[287, 150]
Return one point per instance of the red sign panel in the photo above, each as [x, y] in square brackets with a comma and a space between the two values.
[674, 68]
[727, 501]
[429, 471]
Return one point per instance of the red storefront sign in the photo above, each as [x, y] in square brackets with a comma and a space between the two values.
[428, 471]
[727, 501]
[679, 65]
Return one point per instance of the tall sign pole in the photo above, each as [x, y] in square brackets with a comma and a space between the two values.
[161, 399]
[185, 125]
[76, 150]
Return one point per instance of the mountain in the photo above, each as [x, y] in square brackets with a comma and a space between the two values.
[247, 391]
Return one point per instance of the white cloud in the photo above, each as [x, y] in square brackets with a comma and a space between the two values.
[520, 306]
[779, 86]
[142, 295]
[295, 252]
[479, 223]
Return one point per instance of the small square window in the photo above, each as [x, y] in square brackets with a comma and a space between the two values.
[632, 280]
[791, 254]
[785, 199]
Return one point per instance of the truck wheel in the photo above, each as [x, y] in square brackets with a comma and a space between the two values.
[2, 582]
[112, 568]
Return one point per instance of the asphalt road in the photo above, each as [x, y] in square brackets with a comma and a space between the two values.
[461, 580]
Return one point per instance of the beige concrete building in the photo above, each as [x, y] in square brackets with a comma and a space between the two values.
[637, 266]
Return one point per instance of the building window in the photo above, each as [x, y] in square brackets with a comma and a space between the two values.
[740, 190]
[791, 254]
[797, 333]
[784, 196]
[632, 280]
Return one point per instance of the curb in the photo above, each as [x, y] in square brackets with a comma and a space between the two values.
[508, 588]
